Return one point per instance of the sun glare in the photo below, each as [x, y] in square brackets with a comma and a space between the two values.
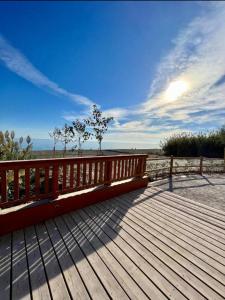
[176, 89]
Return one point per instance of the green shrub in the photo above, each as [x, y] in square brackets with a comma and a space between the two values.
[13, 149]
[187, 144]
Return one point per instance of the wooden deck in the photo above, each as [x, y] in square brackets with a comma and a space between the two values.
[145, 244]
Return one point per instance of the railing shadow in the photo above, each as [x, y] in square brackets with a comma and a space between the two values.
[62, 246]
[176, 183]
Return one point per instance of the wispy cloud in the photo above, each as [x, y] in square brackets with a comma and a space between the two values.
[198, 57]
[16, 62]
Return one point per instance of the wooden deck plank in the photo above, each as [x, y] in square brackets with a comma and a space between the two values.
[20, 276]
[126, 282]
[185, 223]
[179, 263]
[115, 262]
[148, 261]
[110, 283]
[200, 222]
[53, 271]
[182, 238]
[145, 244]
[5, 266]
[138, 280]
[151, 275]
[209, 208]
[176, 242]
[220, 225]
[195, 206]
[72, 277]
[181, 227]
[38, 280]
[88, 275]
[193, 223]
[187, 256]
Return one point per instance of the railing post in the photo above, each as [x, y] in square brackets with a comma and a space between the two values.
[108, 173]
[224, 157]
[55, 184]
[201, 165]
[3, 186]
[171, 165]
[144, 165]
[140, 168]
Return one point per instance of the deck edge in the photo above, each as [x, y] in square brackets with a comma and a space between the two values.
[33, 214]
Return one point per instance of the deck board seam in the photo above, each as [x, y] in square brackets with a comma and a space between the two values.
[219, 224]
[210, 265]
[200, 227]
[147, 275]
[58, 261]
[196, 208]
[42, 259]
[162, 224]
[171, 216]
[201, 224]
[72, 258]
[28, 269]
[190, 215]
[177, 262]
[200, 267]
[100, 257]
[202, 237]
[191, 201]
[147, 262]
[87, 260]
[105, 245]
[135, 263]
[11, 265]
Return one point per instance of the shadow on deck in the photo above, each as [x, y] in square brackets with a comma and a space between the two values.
[144, 244]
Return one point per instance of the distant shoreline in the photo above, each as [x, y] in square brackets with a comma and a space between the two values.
[89, 152]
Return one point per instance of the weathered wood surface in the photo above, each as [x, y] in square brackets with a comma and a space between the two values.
[144, 244]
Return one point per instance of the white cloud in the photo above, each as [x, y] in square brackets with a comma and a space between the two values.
[198, 56]
[19, 64]
[117, 113]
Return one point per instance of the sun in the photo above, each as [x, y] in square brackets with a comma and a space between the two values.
[176, 89]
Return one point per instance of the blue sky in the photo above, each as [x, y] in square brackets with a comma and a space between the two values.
[58, 58]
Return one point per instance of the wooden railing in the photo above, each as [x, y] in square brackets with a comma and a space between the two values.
[172, 165]
[31, 180]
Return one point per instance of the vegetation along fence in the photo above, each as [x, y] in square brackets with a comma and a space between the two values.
[30, 180]
[167, 166]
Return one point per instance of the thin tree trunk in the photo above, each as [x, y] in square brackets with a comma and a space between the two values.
[79, 147]
[100, 147]
[64, 152]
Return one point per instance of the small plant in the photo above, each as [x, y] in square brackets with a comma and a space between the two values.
[98, 124]
[80, 134]
[10, 148]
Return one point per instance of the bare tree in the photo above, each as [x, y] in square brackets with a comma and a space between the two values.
[65, 136]
[80, 134]
[99, 124]
[55, 134]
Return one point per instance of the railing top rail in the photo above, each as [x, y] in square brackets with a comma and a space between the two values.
[33, 162]
[185, 158]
